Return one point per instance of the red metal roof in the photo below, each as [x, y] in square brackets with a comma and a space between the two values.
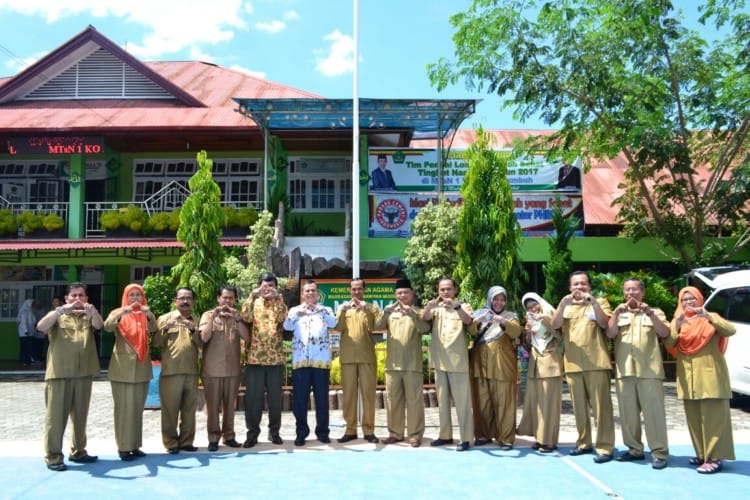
[599, 183]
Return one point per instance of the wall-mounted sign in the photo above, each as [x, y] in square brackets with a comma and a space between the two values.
[56, 145]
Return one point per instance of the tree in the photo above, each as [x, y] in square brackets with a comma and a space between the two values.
[258, 254]
[560, 264]
[430, 252]
[201, 222]
[629, 78]
[489, 237]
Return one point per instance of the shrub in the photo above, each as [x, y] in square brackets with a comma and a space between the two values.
[8, 222]
[53, 222]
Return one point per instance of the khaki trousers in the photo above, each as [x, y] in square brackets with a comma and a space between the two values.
[710, 425]
[643, 395]
[403, 392]
[494, 405]
[454, 384]
[221, 394]
[65, 397]
[364, 377]
[178, 396]
[590, 391]
[130, 399]
[541, 410]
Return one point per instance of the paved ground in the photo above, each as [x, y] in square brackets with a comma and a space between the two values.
[354, 470]
[22, 420]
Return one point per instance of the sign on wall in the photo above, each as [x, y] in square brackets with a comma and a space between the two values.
[391, 213]
[416, 170]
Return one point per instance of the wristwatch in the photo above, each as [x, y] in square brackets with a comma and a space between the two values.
[457, 307]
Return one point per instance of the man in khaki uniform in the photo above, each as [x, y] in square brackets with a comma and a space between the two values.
[72, 362]
[451, 326]
[179, 339]
[584, 320]
[403, 366]
[636, 328]
[355, 320]
[221, 330]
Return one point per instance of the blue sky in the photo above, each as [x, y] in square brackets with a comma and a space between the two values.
[301, 43]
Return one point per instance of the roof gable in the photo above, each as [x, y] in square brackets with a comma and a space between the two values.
[90, 66]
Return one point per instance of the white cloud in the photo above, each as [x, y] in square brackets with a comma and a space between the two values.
[17, 64]
[291, 15]
[256, 74]
[171, 25]
[270, 27]
[338, 59]
[197, 54]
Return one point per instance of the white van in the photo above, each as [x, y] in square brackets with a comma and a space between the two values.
[730, 297]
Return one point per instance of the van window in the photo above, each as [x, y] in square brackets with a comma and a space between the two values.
[733, 304]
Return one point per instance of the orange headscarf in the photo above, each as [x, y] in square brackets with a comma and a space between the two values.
[695, 332]
[134, 326]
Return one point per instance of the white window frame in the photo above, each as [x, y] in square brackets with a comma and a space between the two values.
[300, 183]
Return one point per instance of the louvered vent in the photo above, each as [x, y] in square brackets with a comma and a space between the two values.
[99, 76]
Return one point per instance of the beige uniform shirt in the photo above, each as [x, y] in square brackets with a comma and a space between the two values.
[124, 365]
[449, 337]
[179, 344]
[637, 349]
[355, 325]
[704, 375]
[586, 343]
[72, 348]
[404, 339]
[221, 353]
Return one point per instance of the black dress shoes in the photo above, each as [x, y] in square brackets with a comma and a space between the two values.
[213, 446]
[173, 451]
[371, 438]
[276, 439]
[482, 442]
[441, 442]
[299, 441]
[628, 457]
[602, 458]
[126, 456]
[57, 467]
[249, 443]
[189, 447]
[232, 443]
[580, 451]
[324, 439]
[347, 437]
[85, 459]
[462, 446]
[137, 454]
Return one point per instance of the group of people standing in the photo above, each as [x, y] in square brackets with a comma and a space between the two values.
[473, 354]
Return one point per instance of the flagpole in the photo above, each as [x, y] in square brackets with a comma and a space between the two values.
[355, 146]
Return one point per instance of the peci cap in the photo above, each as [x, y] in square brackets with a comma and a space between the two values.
[403, 283]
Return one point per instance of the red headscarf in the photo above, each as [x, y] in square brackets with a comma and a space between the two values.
[134, 326]
[695, 331]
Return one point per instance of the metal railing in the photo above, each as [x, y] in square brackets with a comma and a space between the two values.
[43, 208]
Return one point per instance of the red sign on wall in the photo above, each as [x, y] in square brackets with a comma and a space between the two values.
[56, 145]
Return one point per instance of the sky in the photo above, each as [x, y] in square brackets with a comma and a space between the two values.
[306, 44]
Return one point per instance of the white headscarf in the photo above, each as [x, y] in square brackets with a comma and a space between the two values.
[26, 319]
[541, 336]
[492, 331]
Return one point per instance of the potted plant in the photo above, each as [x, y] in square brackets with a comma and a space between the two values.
[238, 221]
[30, 221]
[165, 223]
[8, 224]
[43, 225]
[127, 222]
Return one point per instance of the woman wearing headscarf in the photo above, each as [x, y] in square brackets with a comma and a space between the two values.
[703, 378]
[130, 368]
[494, 370]
[543, 398]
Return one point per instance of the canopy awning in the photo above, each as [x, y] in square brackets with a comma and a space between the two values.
[439, 117]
